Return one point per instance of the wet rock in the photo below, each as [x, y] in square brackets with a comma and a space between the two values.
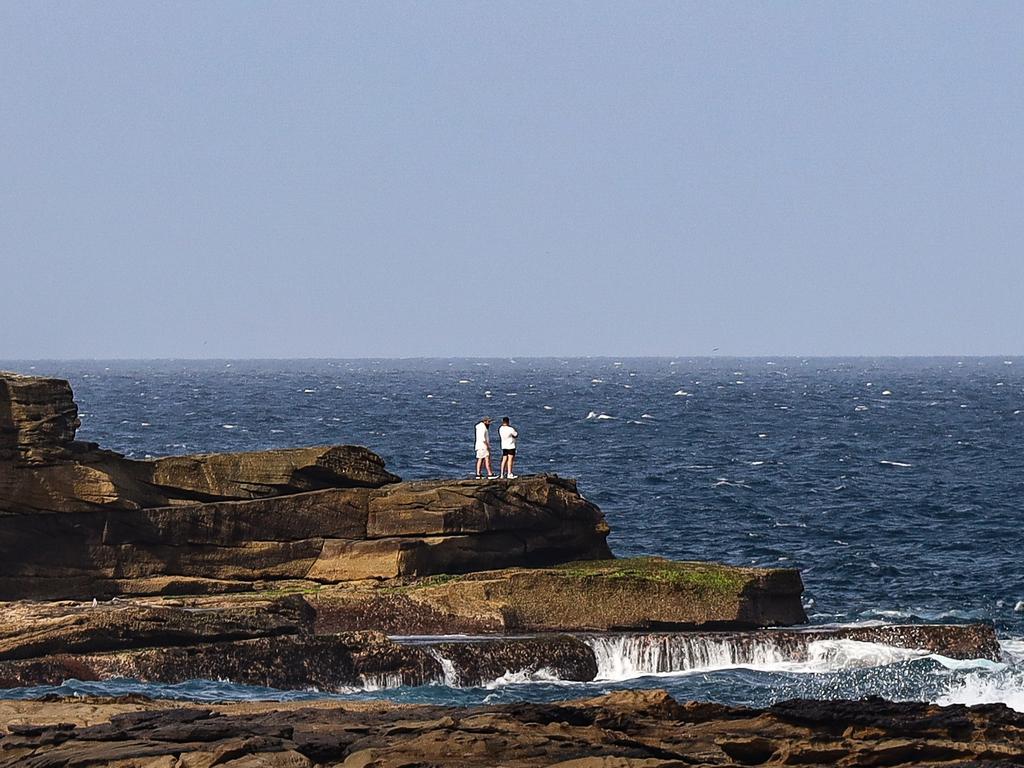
[957, 641]
[328, 662]
[833, 648]
[481, 662]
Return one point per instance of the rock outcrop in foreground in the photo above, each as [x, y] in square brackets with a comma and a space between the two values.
[645, 729]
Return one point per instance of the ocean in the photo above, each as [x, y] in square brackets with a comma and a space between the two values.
[896, 486]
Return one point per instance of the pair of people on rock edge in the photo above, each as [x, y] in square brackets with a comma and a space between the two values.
[508, 436]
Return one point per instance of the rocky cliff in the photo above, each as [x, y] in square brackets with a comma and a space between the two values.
[79, 522]
[284, 567]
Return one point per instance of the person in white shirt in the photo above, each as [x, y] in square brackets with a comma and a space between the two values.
[508, 436]
[483, 449]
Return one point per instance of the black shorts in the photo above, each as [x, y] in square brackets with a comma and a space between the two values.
[508, 451]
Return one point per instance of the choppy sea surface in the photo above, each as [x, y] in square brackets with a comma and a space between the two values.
[896, 486]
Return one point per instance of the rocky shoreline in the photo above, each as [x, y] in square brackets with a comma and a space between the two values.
[634, 729]
[317, 568]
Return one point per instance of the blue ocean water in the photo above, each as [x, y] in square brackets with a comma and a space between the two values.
[895, 485]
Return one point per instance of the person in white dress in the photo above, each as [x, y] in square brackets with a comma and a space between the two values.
[483, 449]
[508, 436]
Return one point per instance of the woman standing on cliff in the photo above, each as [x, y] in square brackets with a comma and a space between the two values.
[483, 449]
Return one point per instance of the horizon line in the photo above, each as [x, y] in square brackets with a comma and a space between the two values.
[515, 358]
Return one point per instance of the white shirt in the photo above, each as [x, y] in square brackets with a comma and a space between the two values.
[508, 437]
[481, 436]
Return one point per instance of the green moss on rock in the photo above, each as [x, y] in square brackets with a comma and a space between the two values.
[706, 576]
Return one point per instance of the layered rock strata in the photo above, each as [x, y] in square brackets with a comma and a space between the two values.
[632, 729]
[638, 593]
[272, 642]
[79, 523]
[326, 536]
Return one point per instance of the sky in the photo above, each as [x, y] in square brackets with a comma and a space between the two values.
[377, 179]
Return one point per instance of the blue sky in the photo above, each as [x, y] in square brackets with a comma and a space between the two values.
[396, 179]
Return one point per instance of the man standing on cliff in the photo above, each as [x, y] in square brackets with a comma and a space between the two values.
[483, 449]
[508, 436]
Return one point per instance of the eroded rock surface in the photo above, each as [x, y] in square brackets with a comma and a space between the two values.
[38, 419]
[635, 729]
[331, 535]
[31, 629]
[638, 593]
[274, 642]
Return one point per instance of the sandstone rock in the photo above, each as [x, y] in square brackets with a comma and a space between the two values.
[38, 419]
[39, 629]
[261, 474]
[321, 535]
[472, 506]
[43, 468]
[330, 514]
[103, 479]
[630, 728]
[642, 593]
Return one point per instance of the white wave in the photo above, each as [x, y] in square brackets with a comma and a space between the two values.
[755, 463]
[549, 407]
[1004, 687]
[623, 657]
[603, 416]
[888, 463]
[544, 674]
[627, 656]
[1013, 649]
[592, 415]
[308, 391]
[860, 408]
[380, 682]
[962, 664]
[229, 426]
[829, 655]
[886, 392]
[683, 393]
[449, 674]
[597, 381]
[646, 416]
